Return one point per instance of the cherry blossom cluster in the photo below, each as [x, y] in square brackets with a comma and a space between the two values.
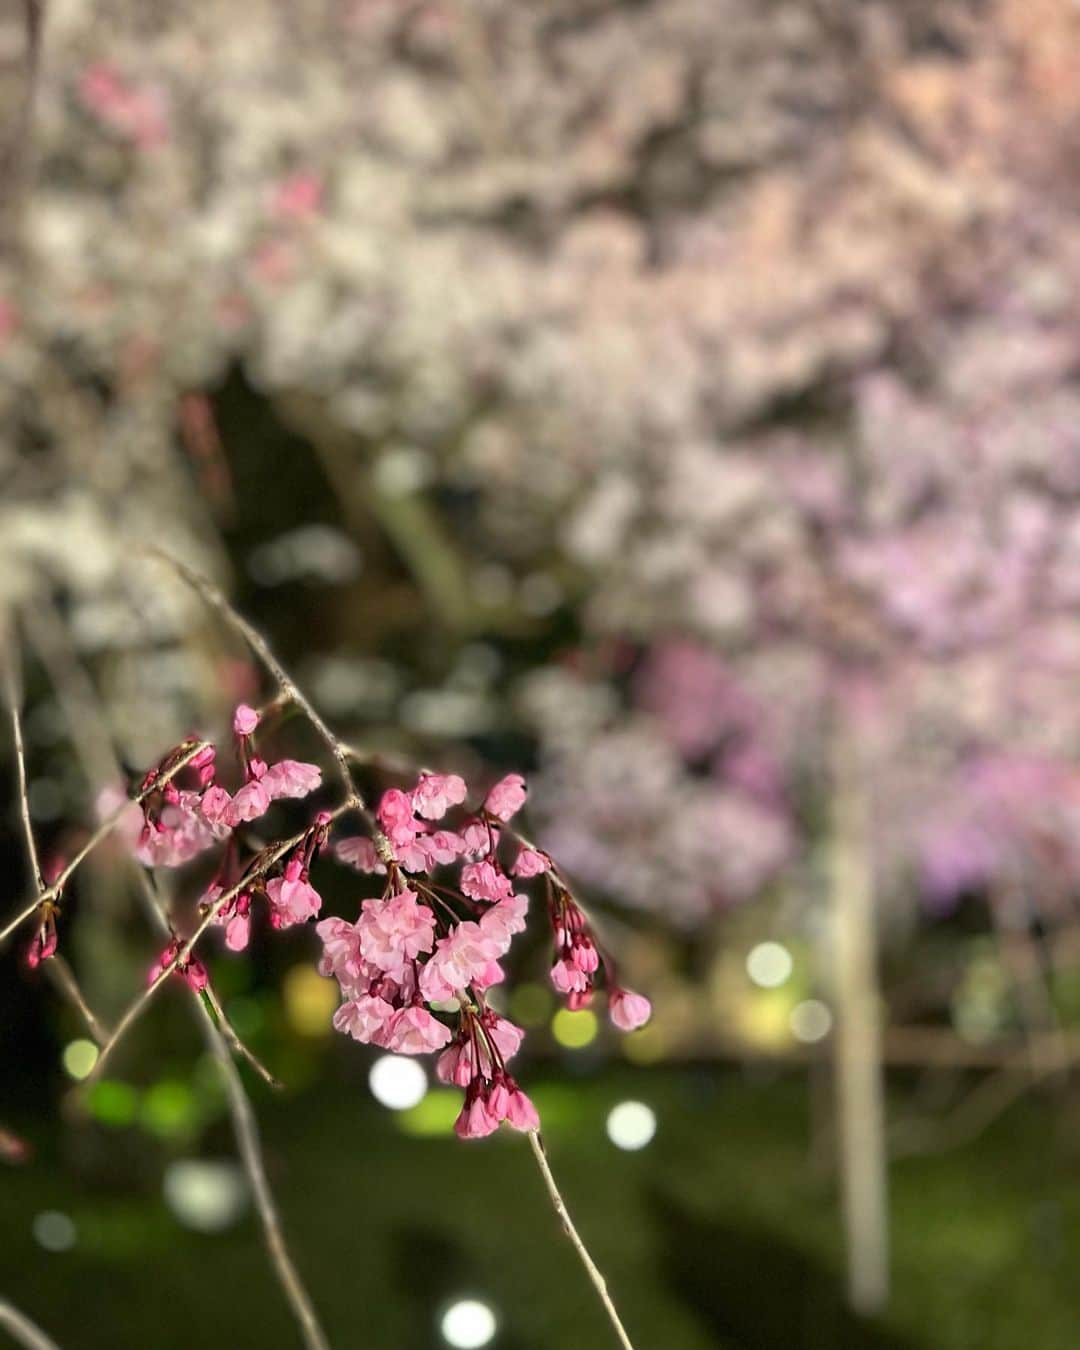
[180, 822]
[416, 965]
[192, 811]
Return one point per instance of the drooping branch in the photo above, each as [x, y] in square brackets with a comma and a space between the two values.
[53, 891]
[76, 692]
[591, 1268]
[243, 1119]
[61, 974]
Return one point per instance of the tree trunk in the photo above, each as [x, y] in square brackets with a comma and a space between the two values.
[858, 1064]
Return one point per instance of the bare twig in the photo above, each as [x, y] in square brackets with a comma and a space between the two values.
[102, 832]
[25, 1332]
[139, 1005]
[280, 675]
[246, 1132]
[13, 695]
[227, 1030]
[59, 971]
[63, 977]
[559, 1204]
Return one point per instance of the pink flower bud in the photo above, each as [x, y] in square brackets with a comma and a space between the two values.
[628, 1010]
[245, 720]
[507, 797]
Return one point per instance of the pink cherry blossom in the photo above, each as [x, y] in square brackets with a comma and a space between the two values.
[568, 977]
[436, 793]
[503, 920]
[460, 957]
[478, 839]
[507, 797]
[475, 1120]
[358, 851]
[396, 817]
[292, 898]
[455, 1065]
[628, 1010]
[365, 1018]
[249, 803]
[394, 932]
[520, 1112]
[506, 1036]
[179, 834]
[440, 847]
[529, 863]
[245, 720]
[291, 778]
[341, 953]
[413, 1031]
[214, 807]
[484, 881]
[204, 764]
[238, 928]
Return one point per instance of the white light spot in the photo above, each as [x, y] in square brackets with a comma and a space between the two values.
[811, 1021]
[79, 1058]
[205, 1195]
[398, 1082]
[631, 1125]
[468, 1324]
[769, 964]
[54, 1231]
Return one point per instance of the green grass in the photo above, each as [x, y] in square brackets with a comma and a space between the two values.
[720, 1234]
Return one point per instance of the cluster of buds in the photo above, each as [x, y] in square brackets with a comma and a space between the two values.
[181, 821]
[415, 967]
[285, 885]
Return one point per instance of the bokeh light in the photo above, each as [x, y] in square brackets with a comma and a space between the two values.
[310, 1001]
[468, 1324]
[574, 1030]
[205, 1194]
[79, 1058]
[631, 1125]
[397, 1082]
[769, 964]
[811, 1021]
[54, 1231]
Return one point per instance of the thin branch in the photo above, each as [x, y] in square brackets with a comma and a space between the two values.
[13, 695]
[258, 644]
[58, 969]
[248, 1145]
[559, 1204]
[139, 1005]
[226, 1028]
[246, 1132]
[102, 832]
[63, 977]
[27, 1333]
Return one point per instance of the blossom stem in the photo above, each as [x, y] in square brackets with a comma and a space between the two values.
[591, 1269]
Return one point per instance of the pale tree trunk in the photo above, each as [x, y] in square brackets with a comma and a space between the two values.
[857, 1003]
